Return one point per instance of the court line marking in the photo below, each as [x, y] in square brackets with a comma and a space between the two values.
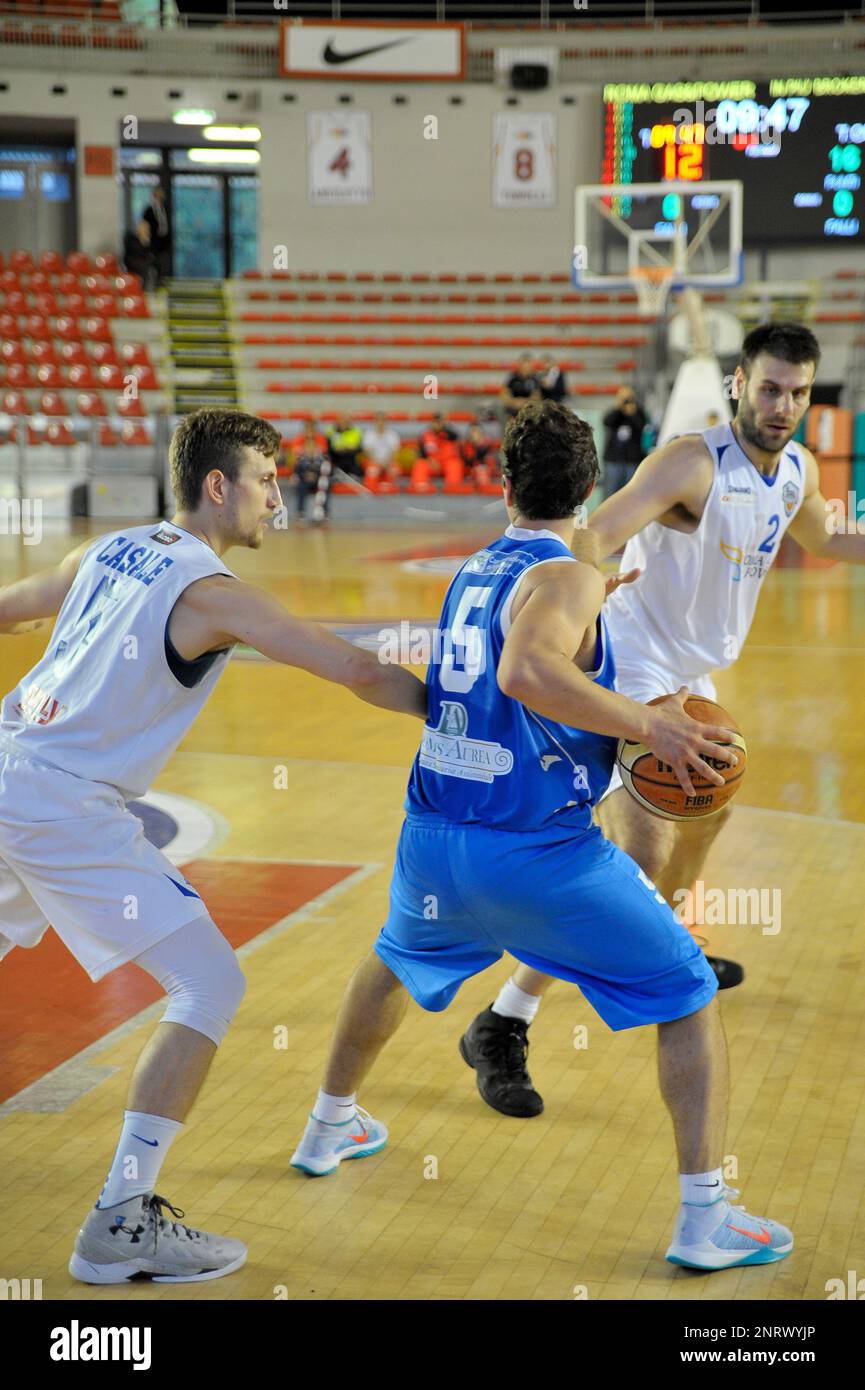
[75, 1077]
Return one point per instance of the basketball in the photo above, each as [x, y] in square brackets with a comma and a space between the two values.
[655, 785]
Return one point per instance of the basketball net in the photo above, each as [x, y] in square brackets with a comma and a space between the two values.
[651, 285]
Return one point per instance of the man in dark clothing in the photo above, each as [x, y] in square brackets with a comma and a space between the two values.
[521, 386]
[138, 254]
[623, 450]
[156, 217]
[551, 379]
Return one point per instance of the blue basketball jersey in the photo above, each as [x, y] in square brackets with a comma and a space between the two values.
[484, 757]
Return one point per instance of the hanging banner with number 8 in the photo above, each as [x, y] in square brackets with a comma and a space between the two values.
[524, 160]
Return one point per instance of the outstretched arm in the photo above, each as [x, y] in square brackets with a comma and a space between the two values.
[820, 526]
[677, 475]
[40, 595]
[218, 611]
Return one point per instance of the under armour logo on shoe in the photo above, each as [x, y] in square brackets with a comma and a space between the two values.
[118, 1226]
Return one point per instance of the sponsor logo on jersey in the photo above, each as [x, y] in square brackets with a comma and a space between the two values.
[164, 537]
[448, 751]
[746, 564]
[739, 496]
[790, 497]
[38, 707]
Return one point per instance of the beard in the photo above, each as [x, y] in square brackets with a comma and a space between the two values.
[746, 420]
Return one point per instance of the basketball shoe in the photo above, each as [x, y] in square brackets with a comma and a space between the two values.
[497, 1048]
[721, 1235]
[325, 1145]
[728, 973]
[133, 1242]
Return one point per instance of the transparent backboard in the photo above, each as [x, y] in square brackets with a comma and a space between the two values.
[693, 230]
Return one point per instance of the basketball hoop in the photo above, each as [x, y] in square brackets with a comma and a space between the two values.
[651, 285]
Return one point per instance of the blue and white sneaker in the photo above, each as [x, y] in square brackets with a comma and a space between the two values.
[324, 1145]
[721, 1235]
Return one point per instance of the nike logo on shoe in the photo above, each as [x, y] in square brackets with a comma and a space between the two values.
[707, 1184]
[359, 1138]
[154, 1143]
[762, 1236]
[330, 55]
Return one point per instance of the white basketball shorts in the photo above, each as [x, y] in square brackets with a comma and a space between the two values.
[643, 680]
[73, 856]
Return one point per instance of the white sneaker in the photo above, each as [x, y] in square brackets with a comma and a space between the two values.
[133, 1241]
[324, 1145]
[721, 1235]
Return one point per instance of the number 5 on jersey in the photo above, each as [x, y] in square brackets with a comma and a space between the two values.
[464, 658]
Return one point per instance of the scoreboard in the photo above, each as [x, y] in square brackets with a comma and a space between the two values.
[796, 145]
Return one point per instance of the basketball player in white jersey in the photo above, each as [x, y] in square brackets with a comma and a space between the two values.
[147, 619]
[703, 518]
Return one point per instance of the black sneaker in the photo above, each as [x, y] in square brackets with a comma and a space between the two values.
[497, 1049]
[729, 972]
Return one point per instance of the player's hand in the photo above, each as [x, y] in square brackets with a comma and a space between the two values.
[616, 579]
[683, 742]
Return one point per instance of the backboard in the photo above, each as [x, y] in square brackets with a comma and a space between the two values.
[676, 233]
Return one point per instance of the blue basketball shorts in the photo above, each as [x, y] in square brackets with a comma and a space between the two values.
[570, 905]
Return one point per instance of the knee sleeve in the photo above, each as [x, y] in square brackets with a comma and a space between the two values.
[199, 972]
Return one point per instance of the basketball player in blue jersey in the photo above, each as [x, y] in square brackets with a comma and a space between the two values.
[703, 518]
[147, 618]
[498, 851]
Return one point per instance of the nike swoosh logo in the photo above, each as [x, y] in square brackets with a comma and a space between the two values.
[154, 1143]
[762, 1239]
[359, 1138]
[330, 55]
[706, 1184]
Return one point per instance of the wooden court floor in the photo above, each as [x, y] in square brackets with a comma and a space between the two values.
[463, 1203]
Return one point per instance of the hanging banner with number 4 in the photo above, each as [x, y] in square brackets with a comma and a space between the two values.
[524, 160]
[339, 156]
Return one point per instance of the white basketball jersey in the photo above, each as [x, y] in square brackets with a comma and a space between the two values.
[691, 608]
[103, 702]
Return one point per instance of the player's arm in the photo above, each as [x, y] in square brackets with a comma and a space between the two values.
[537, 668]
[678, 475]
[819, 528]
[27, 601]
[219, 611]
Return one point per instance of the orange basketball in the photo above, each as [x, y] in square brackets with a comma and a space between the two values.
[654, 784]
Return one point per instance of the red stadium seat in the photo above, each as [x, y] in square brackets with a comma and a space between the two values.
[127, 284]
[81, 375]
[46, 303]
[110, 377]
[91, 404]
[58, 432]
[130, 407]
[67, 327]
[97, 284]
[38, 281]
[77, 261]
[97, 330]
[20, 260]
[75, 304]
[106, 261]
[15, 403]
[134, 307]
[9, 280]
[42, 353]
[71, 354]
[9, 328]
[51, 262]
[147, 379]
[69, 282]
[48, 374]
[52, 403]
[12, 352]
[136, 355]
[104, 354]
[17, 302]
[135, 435]
[108, 437]
[104, 304]
[18, 374]
[35, 326]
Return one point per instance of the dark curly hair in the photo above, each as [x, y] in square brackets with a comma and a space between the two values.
[549, 455]
[213, 438]
[792, 342]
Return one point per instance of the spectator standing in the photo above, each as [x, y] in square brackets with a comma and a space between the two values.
[551, 379]
[345, 445]
[623, 449]
[157, 218]
[521, 386]
[138, 254]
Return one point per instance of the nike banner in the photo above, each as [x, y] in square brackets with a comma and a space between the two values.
[372, 50]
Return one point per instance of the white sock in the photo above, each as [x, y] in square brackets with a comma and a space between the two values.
[334, 1110]
[701, 1189]
[144, 1141]
[513, 1002]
